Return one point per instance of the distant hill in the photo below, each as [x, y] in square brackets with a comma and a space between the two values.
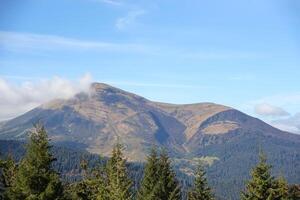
[224, 138]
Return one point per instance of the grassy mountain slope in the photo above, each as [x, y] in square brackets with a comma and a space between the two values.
[226, 139]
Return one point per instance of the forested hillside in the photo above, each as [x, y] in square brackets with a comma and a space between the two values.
[223, 175]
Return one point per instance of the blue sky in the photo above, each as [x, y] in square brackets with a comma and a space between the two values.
[243, 54]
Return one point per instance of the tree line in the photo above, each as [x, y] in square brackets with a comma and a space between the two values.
[33, 178]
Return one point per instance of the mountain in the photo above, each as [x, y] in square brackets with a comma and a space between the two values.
[97, 119]
[225, 138]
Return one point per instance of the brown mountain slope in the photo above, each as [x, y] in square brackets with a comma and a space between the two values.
[97, 119]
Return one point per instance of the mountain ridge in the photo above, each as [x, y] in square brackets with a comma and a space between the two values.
[99, 117]
[226, 140]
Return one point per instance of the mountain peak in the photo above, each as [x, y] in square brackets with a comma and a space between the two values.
[98, 118]
[99, 86]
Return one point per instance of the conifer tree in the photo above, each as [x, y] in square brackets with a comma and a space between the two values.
[119, 186]
[263, 186]
[35, 178]
[8, 170]
[151, 177]
[168, 187]
[84, 189]
[91, 187]
[201, 190]
[101, 183]
[294, 192]
[280, 189]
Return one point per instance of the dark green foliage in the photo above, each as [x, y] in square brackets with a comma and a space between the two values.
[225, 176]
[294, 192]
[263, 186]
[280, 189]
[200, 190]
[119, 186]
[35, 178]
[90, 187]
[151, 177]
[87, 189]
[8, 170]
[168, 187]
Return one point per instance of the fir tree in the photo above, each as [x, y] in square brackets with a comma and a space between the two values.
[201, 190]
[294, 192]
[35, 178]
[101, 183]
[263, 186]
[119, 186]
[151, 177]
[167, 187]
[91, 187]
[280, 189]
[8, 170]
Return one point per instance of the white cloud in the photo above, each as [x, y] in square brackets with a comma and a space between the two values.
[268, 110]
[129, 19]
[290, 124]
[277, 115]
[17, 99]
[15, 41]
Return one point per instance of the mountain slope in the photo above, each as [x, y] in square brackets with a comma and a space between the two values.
[224, 138]
[96, 120]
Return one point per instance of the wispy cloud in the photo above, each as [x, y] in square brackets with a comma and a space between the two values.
[41, 43]
[19, 98]
[110, 2]
[290, 124]
[15, 41]
[265, 109]
[273, 110]
[129, 19]
[280, 99]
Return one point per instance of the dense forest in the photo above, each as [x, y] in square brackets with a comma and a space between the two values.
[36, 174]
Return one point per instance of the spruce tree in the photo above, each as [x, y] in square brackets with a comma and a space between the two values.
[119, 186]
[201, 190]
[151, 177]
[8, 170]
[35, 178]
[280, 189]
[91, 187]
[263, 186]
[294, 192]
[101, 183]
[167, 187]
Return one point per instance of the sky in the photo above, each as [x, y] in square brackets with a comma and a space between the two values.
[243, 54]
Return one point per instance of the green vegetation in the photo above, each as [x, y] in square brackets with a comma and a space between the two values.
[118, 183]
[263, 186]
[201, 190]
[8, 174]
[167, 186]
[151, 177]
[34, 177]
